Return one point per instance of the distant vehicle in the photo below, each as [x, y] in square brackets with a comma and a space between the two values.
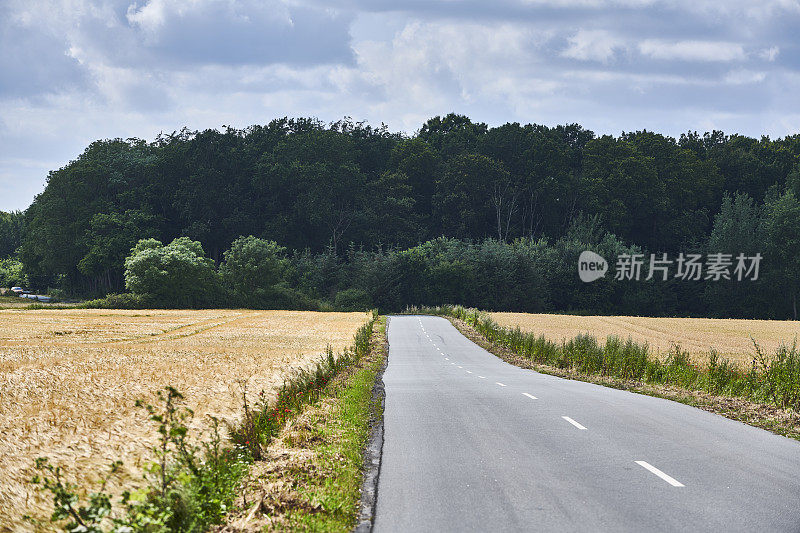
[17, 290]
[37, 297]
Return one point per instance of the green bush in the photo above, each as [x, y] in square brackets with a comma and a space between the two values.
[173, 275]
[11, 273]
[352, 300]
[252, 268]
[125, 300]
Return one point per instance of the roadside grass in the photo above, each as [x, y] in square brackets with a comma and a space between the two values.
[190, 487]
[311, 474]
[731, 339]
[766, 395]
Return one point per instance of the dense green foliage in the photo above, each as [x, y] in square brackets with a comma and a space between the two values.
[326, 193]
[177, 273]
[10, 232]
[11, 273]
[252, 269]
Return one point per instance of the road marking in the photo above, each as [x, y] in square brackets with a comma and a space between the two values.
[459, 366]
[446, 358]
[669, 479]
[482, 377]
[571, 421]
[469, 371]
[499, 383]
[529, 396]
[452, 363]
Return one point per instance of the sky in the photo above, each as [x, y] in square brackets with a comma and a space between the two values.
[74, 71]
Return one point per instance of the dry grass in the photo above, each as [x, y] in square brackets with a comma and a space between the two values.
[729, 337]
[69, 380]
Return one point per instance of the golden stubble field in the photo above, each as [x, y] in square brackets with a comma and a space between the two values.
[69, 380]
[731, 338]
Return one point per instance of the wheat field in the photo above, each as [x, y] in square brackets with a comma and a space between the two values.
[731, 338]
[69, 380]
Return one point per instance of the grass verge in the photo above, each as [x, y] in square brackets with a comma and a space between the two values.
[766, 396]
[311, 473]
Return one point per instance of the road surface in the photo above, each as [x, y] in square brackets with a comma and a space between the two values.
[472, 443]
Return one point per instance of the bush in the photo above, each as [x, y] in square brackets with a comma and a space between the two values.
[173, 275]
[252, 267]
[11, 273]
[283, 297]
[352, 300]
[125, 300]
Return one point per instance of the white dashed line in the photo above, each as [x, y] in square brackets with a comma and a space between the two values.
[669, 479]
[482, 377]
[469, 372]
[446, 358]
[459, 366]
[452, 363]
[529, 396]
[502, 385]
[571, 421]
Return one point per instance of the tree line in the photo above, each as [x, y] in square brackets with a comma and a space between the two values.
[346, 196]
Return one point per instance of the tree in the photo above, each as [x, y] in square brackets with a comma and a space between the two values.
[252, 267]
[174, 275]
[475, 197]
[738, 229]
[12, 273]
[109, 240]
[782, 227]
[10, 232]
[621, 184]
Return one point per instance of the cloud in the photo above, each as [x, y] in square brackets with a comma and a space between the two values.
[243, 32]
[72, 71]
[741, 76]
[770, 54]
[34, 59]
[592, 45]
[692, 50]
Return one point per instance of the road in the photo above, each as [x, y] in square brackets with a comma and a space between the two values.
[472, 443]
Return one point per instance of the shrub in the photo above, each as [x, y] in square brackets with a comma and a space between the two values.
[252, 267]
[125, 300]
[11, 273]
[352, 300]
[174, 275]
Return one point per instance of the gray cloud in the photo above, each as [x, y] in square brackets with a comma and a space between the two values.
[33, 59]
[248, 32]
[74, 71]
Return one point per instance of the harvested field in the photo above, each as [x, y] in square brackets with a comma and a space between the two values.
[69, 380]
[729, 337]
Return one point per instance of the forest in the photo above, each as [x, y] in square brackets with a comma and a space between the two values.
[460, 212]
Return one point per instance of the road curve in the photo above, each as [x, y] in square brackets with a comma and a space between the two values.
[472, 443]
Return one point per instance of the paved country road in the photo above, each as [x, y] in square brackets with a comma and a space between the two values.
[472, 443]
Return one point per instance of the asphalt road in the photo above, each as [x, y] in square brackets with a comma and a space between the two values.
[472, 443]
